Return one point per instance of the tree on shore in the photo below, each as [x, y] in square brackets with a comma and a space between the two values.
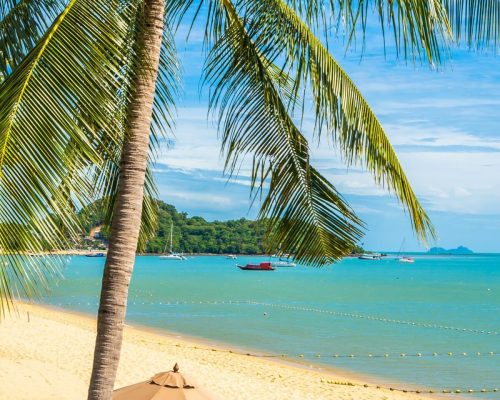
[89, 86]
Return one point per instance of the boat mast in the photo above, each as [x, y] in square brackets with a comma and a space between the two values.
[171, 235]
[401, 248]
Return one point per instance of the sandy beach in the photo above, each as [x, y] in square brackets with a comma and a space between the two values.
[50, 357]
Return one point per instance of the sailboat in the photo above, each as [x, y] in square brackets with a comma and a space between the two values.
[171, 255]
[402, 258]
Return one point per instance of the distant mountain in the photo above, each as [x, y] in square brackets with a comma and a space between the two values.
[461, 250]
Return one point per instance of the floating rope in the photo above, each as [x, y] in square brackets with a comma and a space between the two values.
[346, 383]
[309, 309]
[375, 318]
[351, 356]
[409, 355]
[418, 391]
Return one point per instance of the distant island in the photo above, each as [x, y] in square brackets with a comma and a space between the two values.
[459, 251]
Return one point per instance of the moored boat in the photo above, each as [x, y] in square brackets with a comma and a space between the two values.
[406, 260]
[231, 257]
[263, 266]
[401, 257]
[283, 263]
[374, 256]
[171, 255]
[95, 255]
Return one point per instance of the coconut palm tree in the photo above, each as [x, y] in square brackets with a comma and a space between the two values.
[87, 90]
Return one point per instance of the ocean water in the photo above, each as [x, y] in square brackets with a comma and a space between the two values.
[440, 307]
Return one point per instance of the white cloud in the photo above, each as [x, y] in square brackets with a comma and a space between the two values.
[456, 182]
[195, 144]
[207, 198]
[464, 181]
[416, 133]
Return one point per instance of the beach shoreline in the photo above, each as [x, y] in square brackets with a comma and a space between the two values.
[45, 341]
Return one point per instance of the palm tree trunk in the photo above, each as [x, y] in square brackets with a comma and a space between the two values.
[128, 207]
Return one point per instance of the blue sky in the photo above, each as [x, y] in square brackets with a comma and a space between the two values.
[442, 123]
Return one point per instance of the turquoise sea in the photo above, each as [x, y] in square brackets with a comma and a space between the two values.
[383, 313]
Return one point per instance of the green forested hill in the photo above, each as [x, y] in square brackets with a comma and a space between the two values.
[196, 235]
[192, 234]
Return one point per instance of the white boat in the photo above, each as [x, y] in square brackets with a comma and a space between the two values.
[401, 257]
[283, 263]
[370, 256]
[171, 255]
[231, 257]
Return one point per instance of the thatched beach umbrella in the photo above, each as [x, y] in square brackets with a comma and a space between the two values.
[171, 385]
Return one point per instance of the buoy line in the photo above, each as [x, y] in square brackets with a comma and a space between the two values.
[347, 383]
[317, 355]
[418, 391]
[306, 309]
[375, 318]
[410, 355]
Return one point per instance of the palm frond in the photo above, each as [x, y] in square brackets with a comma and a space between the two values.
[477, 23]
[419, 28]
[22, 24]
[167, 87]
[339, 107]
[306, 215]
[57, 112]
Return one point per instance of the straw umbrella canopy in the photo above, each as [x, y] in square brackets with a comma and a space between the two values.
[171, 385]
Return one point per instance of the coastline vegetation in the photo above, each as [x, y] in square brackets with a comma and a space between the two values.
[191, 234]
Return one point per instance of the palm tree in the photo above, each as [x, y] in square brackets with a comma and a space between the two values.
[87, 89]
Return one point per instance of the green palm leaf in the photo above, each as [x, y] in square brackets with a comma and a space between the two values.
[340, 109]
[306, 215]
[61, 96]
[475, 22]
[22, 24]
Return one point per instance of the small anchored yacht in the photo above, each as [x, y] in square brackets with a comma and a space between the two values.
[401, 257]
[171, 255]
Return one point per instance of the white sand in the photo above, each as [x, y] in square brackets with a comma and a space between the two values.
[50, 357]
